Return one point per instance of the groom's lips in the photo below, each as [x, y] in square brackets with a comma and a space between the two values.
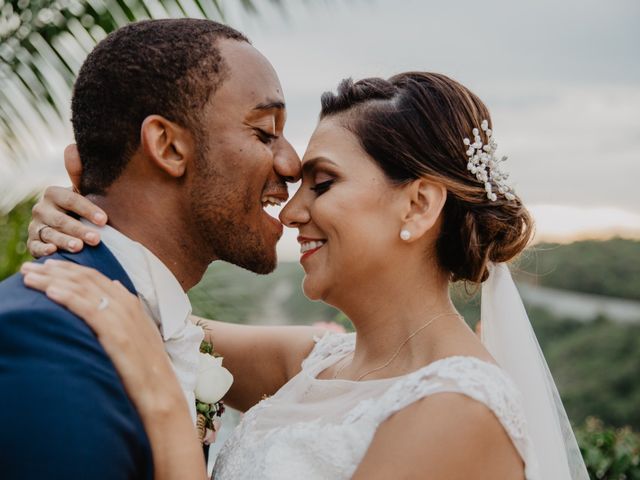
[281, 194]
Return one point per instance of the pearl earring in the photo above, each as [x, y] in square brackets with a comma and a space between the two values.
[405, 235]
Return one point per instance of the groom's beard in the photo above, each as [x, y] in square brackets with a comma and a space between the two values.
[228, 223]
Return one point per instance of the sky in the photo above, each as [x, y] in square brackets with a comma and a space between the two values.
[561, 78]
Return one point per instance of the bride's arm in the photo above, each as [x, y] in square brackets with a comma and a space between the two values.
[441, 437]
[261, 359]
[135, 347]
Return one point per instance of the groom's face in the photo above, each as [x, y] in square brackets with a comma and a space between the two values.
[244, 162]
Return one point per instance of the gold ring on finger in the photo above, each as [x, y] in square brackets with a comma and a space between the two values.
[39, 232]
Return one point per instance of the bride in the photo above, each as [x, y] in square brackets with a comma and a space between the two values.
[402, 194]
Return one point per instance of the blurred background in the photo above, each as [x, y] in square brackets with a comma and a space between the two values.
[562, 80]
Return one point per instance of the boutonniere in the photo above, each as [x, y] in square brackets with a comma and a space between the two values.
[213, 383]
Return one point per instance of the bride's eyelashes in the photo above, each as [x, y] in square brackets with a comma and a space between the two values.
[322, 187]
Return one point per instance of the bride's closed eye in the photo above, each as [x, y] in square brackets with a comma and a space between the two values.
[322, 181]
[322, 187]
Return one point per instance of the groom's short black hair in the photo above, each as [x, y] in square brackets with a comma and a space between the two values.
[165, 67]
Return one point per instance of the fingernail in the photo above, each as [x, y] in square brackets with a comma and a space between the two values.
[73, 244]
[99, 217]
[50, 249]
[91, 237]
[28, 267]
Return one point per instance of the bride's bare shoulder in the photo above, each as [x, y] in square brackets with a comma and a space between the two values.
[442, 436]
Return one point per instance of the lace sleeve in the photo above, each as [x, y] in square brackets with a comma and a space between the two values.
[328, 345]
[482, 381]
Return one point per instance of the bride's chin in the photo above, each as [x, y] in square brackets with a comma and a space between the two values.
[311, 289]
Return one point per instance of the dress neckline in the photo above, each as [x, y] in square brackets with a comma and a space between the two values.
[313, 374]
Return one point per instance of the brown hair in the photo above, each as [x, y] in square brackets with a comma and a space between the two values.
[413, 126]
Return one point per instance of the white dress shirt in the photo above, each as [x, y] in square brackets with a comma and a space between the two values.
[165, 301]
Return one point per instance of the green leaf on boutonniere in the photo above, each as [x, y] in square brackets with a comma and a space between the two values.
[206, 347]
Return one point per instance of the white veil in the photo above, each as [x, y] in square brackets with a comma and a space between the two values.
[507, 334]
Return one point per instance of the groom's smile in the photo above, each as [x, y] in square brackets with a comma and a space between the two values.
[247, 162]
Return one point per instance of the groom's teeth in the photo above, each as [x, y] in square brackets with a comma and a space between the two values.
[268, 200]
[307, 246]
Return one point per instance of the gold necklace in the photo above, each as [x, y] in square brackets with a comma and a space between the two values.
[397, 352]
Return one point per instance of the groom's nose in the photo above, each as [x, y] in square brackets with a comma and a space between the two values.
[286, 161]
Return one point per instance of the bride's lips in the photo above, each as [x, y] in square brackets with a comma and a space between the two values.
[313, 245]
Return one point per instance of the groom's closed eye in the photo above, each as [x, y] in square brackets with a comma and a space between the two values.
[265, 137]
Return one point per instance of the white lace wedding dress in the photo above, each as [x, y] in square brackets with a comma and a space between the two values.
[321, 429]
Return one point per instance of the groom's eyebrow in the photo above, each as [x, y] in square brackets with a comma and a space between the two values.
[275, 104]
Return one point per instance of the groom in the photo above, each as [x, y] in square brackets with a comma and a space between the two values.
[179, 127]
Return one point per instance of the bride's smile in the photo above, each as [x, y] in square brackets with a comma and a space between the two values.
[343, 211]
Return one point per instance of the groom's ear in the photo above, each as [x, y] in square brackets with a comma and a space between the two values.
[167, 144]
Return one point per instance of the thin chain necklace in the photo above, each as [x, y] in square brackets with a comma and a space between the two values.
[397, 352]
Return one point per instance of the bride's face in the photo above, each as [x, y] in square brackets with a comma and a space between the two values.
[347, 213]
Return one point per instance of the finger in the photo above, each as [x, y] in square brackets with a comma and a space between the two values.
[76, 229]
[66, 199]
[42, 281]
[39, 249]
[60, 240]
[101, 321]
[46, 214]
[41, 276]
[88, 281]
[57, 269]
[82, 299]
[73, 165]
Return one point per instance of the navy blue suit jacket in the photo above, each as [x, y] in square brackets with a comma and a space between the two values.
[64, 413]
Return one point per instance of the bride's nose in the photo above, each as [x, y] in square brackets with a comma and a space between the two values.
[295, 213]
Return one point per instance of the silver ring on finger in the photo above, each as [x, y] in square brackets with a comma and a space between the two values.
[104, 303]
[39, 232]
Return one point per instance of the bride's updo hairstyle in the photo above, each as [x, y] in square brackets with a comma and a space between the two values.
[413, 126]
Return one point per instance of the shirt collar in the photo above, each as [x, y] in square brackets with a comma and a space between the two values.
[157, 287]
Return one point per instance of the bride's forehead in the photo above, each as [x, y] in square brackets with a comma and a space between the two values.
[331, 140]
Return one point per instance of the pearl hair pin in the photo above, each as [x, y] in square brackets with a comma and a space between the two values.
[485, 165]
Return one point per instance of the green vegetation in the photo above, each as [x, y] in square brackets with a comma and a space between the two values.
[609, 454]
[600, 267]
[13, 238]
[596, 366]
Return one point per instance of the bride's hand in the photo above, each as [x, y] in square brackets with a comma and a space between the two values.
[117, 317]
[135, 347]
[52, 226]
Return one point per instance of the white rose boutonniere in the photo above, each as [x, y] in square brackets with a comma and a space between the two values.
[212, 384]
[214, 380]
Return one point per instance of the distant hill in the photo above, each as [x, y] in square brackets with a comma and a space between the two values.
[610, 268]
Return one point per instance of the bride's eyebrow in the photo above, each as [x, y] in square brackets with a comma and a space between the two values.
[310, 165]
